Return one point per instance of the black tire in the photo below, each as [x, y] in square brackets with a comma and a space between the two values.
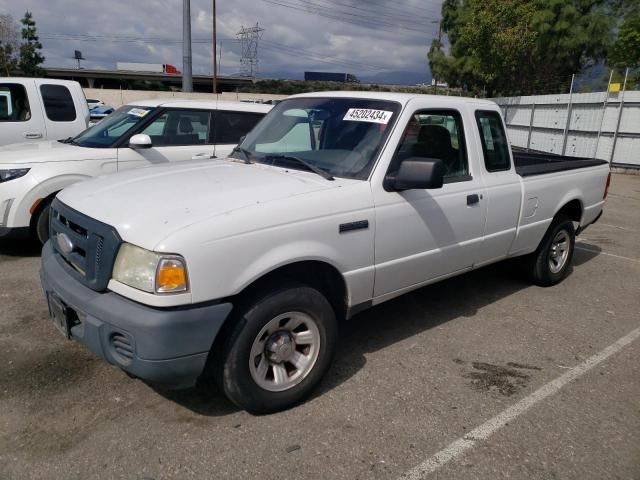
[230, 365]
[41, 223]
[539, 264]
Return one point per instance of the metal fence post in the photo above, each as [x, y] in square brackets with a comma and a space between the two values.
[568, 124]
[604, 112]
[620, 108]
[533, 112]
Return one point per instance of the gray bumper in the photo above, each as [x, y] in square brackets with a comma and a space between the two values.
[165, 346]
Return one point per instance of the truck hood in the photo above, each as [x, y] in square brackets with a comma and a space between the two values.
[149, 204]
[51, 151]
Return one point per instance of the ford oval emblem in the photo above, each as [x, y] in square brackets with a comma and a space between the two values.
[64, 243]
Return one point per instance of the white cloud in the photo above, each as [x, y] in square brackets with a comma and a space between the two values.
[293, 40]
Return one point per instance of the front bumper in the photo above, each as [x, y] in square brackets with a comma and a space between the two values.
[163, 346]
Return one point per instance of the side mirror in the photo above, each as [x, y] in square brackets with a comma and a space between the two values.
[417, 173]
[140, 141]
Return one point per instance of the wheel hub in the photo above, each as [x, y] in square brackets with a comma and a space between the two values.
[279, 347]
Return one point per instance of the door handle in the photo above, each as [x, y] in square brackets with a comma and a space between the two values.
[201, 156]
[473, 199]
[33, 135]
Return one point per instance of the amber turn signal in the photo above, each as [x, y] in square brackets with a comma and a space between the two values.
[171, 276]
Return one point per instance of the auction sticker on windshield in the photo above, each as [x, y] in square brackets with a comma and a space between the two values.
[138, 112]
[368, 115]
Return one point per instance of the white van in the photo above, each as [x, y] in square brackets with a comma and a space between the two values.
[40, 108]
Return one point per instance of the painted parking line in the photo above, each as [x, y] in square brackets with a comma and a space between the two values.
[600, 252]
[484, 431]
[626, 229]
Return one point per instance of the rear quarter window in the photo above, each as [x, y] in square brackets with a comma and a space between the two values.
[494, 141]
[229, 127]
[58, 103]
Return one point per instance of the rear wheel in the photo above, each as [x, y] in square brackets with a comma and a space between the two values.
[551, 262]
[277, 349]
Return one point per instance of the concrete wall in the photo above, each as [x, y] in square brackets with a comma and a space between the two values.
[117, 98]
[539, 122]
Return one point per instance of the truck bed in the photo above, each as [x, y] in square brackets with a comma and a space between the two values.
[537, 163]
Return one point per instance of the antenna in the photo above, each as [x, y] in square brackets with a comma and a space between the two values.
[249, 41]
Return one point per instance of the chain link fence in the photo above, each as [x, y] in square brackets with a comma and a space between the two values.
[604, 125]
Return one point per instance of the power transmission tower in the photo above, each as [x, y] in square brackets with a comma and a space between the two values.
[249, 42]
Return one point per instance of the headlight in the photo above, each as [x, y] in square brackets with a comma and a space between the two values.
[149, 271]
[6, 175]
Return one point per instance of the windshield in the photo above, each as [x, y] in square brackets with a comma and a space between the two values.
[340, 136]
[112, 128]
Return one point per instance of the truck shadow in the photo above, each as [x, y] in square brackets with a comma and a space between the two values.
[19, 248]
[392, 322]
[585, 252]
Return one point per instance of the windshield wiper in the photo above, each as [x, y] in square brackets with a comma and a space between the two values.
[246, 153]
[67, 140]
[324, 174]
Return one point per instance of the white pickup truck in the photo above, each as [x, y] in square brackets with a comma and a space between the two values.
[40, 108]
[243, 267]
[145, 133]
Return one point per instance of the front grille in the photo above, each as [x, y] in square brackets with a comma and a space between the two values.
[121, 344]
[89, 247]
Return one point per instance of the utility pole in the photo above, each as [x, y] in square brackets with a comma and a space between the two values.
[215, 56]
[187, 72]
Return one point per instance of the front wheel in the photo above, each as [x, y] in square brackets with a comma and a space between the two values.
[551, 262]
[277, 350]
[41, 223]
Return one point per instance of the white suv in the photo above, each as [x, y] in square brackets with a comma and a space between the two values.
[142, 134]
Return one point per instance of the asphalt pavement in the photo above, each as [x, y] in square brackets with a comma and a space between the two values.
[483, 376]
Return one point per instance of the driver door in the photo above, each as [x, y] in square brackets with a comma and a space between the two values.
[423, 235]
[176, 135]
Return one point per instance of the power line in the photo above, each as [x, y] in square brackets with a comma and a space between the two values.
[408, 8]
[124, 39]
[316, 56]
[392, 13]
[344, 17]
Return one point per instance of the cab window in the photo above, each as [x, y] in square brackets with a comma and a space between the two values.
[179, 127]
[14, 103]
[435, 134]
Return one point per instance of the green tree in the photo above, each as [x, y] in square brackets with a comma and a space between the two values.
[520, 46]
[626, 49]
[8, 45]
[8, 60]
[30, 56]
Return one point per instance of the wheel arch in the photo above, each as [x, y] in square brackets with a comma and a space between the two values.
[41, 205]
[318, 274]
[573, 209]
[315, 273]
[43, 191]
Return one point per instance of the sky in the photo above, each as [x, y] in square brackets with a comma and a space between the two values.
[368, 38]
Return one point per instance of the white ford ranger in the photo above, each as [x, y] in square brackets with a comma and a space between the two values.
[146, 133]
[243, 267]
